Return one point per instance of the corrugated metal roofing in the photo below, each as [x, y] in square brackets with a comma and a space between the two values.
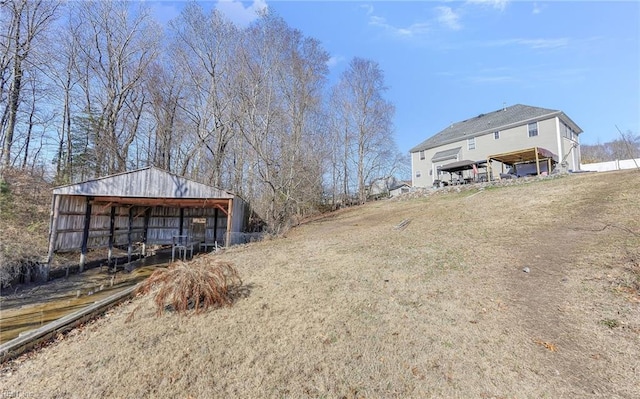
[485, 123]
[149, 182]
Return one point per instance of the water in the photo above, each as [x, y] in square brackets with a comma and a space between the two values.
[35, 306]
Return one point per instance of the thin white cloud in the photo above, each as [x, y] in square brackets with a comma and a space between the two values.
[409, 31]
[238, 13]
[492, 79]
[526, 77]
[497, 4]
[537, 44]
[448, 18]
[335, 60]
[537, 8]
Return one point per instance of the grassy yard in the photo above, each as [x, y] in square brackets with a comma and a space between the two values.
[350, 306]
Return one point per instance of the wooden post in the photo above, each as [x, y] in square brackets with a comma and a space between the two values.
[548, 166]
[215, 225]
[53, 236]
[181, 221]
[112, 221]
[85, 234]
[147, 217]
[129, 235]
[229, 223]
[537, 160]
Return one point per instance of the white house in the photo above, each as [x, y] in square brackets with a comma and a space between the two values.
[514, 128]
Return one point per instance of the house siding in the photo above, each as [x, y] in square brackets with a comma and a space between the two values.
[511, 139]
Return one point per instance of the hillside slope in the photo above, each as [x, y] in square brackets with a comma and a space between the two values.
[351, 306]
[25, 204]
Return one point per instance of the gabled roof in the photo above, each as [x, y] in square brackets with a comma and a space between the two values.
[494, 121]
[149, 182]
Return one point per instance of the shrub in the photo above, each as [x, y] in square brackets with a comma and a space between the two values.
[200, 284]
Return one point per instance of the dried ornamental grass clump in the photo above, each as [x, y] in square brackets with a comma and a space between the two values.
[199, 284]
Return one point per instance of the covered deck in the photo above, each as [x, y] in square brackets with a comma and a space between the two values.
[537, 160]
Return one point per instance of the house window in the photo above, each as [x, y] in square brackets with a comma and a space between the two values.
[418, 174]
[422, 155]
[471, 143]
[496, 135]
[533, 129]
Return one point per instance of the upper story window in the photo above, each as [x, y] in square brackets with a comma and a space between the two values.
[533, 129]
[568, 132]
[471, 143]
[422, 155]
[496, 135]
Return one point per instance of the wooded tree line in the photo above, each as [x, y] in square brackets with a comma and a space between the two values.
[95, 88]
[625, 147]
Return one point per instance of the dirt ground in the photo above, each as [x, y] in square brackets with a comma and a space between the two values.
[525, 291]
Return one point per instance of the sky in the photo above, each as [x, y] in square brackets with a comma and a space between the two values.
[447, 61]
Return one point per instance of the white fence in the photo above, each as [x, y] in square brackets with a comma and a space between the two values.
[611, 165]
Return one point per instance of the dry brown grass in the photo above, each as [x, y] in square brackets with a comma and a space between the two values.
[349, 306]
[199, 284]
[25, 201]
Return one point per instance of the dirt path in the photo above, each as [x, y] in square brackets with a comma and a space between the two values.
[556, 306]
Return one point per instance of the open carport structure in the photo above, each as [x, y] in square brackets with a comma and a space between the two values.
[541, 159]
[139, 208]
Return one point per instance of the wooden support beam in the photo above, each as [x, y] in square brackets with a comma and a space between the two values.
[130, 236]
[180, 232]
[53, 237]
[229, 223]
[537, 161]
[145, 234]
[112, 221]
[215, 225]
[85, 234]
[168, 202]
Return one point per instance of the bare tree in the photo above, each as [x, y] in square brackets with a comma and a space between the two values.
[25, 21]
[282, 76]
[164, 88]
[118, 45]
[366, 119]
[204, 46]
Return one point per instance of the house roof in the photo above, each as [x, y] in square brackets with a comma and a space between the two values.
[493, 121]
[149, 182]
[446, 154]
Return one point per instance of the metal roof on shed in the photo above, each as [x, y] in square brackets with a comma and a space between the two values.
[149, 182]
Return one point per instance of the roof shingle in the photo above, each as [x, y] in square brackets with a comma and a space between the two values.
[485, 123]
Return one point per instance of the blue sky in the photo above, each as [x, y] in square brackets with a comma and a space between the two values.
[446, 61]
